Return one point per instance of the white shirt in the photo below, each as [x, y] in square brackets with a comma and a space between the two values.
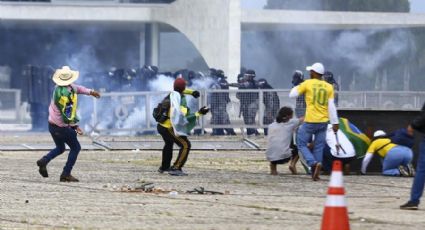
[346, 148]
[279, 139]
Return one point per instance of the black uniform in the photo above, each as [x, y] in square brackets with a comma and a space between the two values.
[219, 101]
[329, 78]
[249, 101]
[39, 95]
[271, 103]
[300, 105]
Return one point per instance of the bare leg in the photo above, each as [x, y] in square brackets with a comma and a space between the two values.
[293, 164]
[273, 169]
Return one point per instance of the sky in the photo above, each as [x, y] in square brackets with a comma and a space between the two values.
[253, 4]
[416, 6]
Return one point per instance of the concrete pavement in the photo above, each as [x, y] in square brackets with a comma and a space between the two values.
[256, 200]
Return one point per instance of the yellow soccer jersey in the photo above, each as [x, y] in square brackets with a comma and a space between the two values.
[317, 94]
[382, 144]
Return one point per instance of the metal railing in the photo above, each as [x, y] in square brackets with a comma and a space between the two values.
[131, 113]
[10, 106]
[381, 100]
[120, 113]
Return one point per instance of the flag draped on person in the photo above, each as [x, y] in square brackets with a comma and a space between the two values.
[359, 140]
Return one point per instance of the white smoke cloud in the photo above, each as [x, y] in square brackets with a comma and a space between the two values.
[161, 83]
[346, 53]
[354, 47]
[203, 83]
[84, 60]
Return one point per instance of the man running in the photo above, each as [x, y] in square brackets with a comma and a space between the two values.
[319, 98]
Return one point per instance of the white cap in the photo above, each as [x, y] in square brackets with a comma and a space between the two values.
[379, 133]
[317, 67]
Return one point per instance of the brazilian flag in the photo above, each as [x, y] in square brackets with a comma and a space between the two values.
[359, 140]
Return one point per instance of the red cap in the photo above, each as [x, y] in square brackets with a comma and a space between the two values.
[179, 85]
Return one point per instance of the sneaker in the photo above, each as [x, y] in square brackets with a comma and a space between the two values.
[411, 170]
[409, 206]
[42, 169]
[68, 178]
[403, 171]
[177, 172]
[316, 171]
[160, 170]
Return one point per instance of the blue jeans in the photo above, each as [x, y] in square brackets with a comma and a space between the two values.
[419, 181]
[305, 134]
[399, 155]
[62, 136]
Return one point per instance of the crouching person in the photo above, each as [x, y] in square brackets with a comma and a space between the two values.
[338, 147]
[63, 121]
[175, 129]
[280, 147]
[396, 158]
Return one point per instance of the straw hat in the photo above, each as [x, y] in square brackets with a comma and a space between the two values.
[65, 76]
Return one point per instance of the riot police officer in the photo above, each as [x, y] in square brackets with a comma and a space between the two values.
[271, 103]
[248, 101]
[219, 101]
[298, 78]
[328, 76]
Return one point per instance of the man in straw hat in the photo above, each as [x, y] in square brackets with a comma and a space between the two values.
[63, 121]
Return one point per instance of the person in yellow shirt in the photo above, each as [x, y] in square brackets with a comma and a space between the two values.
[175, 129]
[320, 110]
[396, 158]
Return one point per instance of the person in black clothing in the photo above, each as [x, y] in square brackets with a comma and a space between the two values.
[298, 78]
[176, 126]
[271, 103]
[248, 100]
[418, 124]
[219, 101]
[328, 76]
[403, 136]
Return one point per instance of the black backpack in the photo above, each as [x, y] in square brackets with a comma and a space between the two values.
[160, 112]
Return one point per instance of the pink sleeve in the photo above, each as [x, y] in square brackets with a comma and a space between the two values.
[81, 89]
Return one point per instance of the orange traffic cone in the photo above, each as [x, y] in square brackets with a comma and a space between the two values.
[335, 216]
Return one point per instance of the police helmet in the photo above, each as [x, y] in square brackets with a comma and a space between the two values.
[328, 76]
[297, 77]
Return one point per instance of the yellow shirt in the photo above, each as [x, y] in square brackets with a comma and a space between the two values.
[317, 94]
[378, 143]
[167, 123]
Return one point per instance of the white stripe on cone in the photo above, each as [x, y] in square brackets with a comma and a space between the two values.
[336, 180]
[335, 201]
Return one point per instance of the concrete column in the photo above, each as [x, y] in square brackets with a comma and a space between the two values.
[152, 44]
[213, 27]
